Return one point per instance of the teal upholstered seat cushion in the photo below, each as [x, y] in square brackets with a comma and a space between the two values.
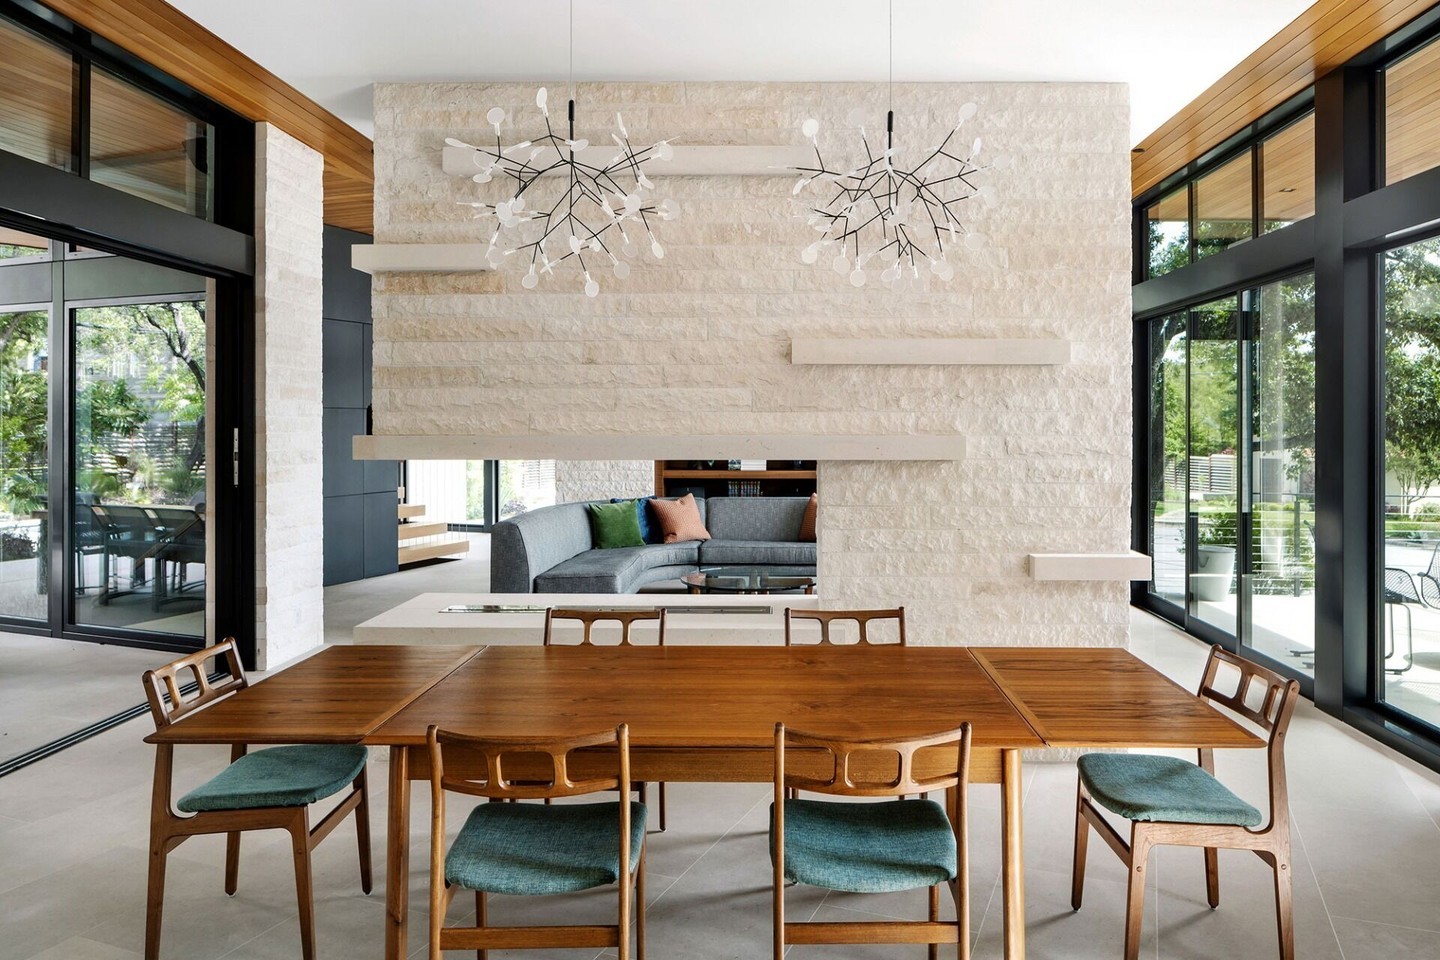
[1168, 789]
[529, 848]
[279, 777]
[867, 847]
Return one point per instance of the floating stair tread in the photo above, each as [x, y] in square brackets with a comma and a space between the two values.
[411, 510]
[429, 551]
[413, 531]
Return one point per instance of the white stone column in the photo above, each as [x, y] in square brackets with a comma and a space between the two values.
[289, 529]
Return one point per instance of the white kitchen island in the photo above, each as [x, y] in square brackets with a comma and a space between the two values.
[519, 618]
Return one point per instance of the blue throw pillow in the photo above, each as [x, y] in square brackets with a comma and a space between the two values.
[650, 531]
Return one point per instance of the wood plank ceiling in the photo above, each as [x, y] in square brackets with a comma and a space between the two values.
[160, 35]
[1322, 38]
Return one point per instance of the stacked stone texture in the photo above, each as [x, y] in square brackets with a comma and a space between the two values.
[699, 343]
[288, 464]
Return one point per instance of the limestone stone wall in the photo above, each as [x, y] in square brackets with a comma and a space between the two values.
[602, 479]
[700, 342]
[289, 556]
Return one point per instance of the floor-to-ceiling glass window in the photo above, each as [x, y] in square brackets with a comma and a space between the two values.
[1168, 459]
[118, 548]
[1230, 468]
[1411, 520]
[137, 542]
[1279, 592]
[24, 460]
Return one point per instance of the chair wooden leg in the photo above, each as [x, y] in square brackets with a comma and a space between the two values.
[933, 950]
[304, 887]
[626, 893]
[640, 901]
[155, 897]
[1135, 894]
[778, 907]
[1212, 876]
[362, 832]
[1082, 843]
[232, 862]
[1284, 905]
[482, 919]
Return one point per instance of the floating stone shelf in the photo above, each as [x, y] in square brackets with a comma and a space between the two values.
[929, 350]
[688, 161]
[1090, 566]
[658, 447]
[419, 257]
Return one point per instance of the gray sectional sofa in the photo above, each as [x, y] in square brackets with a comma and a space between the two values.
[549, 550]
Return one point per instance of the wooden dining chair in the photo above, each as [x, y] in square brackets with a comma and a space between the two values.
[1172, 801]
[626, 619]
[878, 847]
[861, 618]
[265, 790]
[531, 850]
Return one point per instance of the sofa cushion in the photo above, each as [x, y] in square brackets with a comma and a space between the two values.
[807, 522]
[756, 518]
[614, 525]
[680, 519]
[649, 528]
[756, 552]
[613, 571]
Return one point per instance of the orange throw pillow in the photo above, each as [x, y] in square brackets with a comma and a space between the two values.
[807, 523]
[679, 519]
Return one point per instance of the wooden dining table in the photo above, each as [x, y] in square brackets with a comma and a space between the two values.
[708, 714]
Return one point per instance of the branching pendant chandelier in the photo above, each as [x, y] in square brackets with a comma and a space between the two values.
[600, 208]
[882, 214]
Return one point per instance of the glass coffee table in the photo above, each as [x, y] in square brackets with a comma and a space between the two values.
[745, 580]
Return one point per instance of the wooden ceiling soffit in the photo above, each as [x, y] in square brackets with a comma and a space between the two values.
[164, 37]
[1324, 37]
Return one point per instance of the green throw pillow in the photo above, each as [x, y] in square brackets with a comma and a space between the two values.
[615, 525]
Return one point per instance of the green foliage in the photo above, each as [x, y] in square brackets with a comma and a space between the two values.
[1219, 526]
[1412, 367]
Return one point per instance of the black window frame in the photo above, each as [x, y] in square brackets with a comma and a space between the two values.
[1358, 217]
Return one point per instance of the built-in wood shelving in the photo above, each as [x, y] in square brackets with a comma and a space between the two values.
[679, 476]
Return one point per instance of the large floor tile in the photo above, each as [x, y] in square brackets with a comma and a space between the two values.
[1362, 940]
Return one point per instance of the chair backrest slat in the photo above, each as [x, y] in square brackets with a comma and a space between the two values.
[496, 767]
[162, 684]
[588, 619]
[854, 777]
[861, 618]
[1271, 711]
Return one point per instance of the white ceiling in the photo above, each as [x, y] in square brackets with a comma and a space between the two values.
[1169, 51]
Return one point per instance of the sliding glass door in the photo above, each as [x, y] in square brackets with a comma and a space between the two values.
[1409, 643]
[137, 532]
[24, 461]
[1230, 469]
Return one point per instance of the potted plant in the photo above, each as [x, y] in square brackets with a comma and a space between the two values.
[1218, 533]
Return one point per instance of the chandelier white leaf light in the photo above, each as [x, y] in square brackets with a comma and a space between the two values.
[882, 214]
[602, 207]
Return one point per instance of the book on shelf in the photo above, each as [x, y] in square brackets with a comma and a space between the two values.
[752, 464]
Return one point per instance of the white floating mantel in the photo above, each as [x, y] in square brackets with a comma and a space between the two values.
[929, 350]
[658, 447]
[689, 161]
[419, 257]
[1129, 565]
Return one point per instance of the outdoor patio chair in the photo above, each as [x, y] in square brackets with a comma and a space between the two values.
[1400, 592]
[1429, 580]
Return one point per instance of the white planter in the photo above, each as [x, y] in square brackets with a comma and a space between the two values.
[1214, 575]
